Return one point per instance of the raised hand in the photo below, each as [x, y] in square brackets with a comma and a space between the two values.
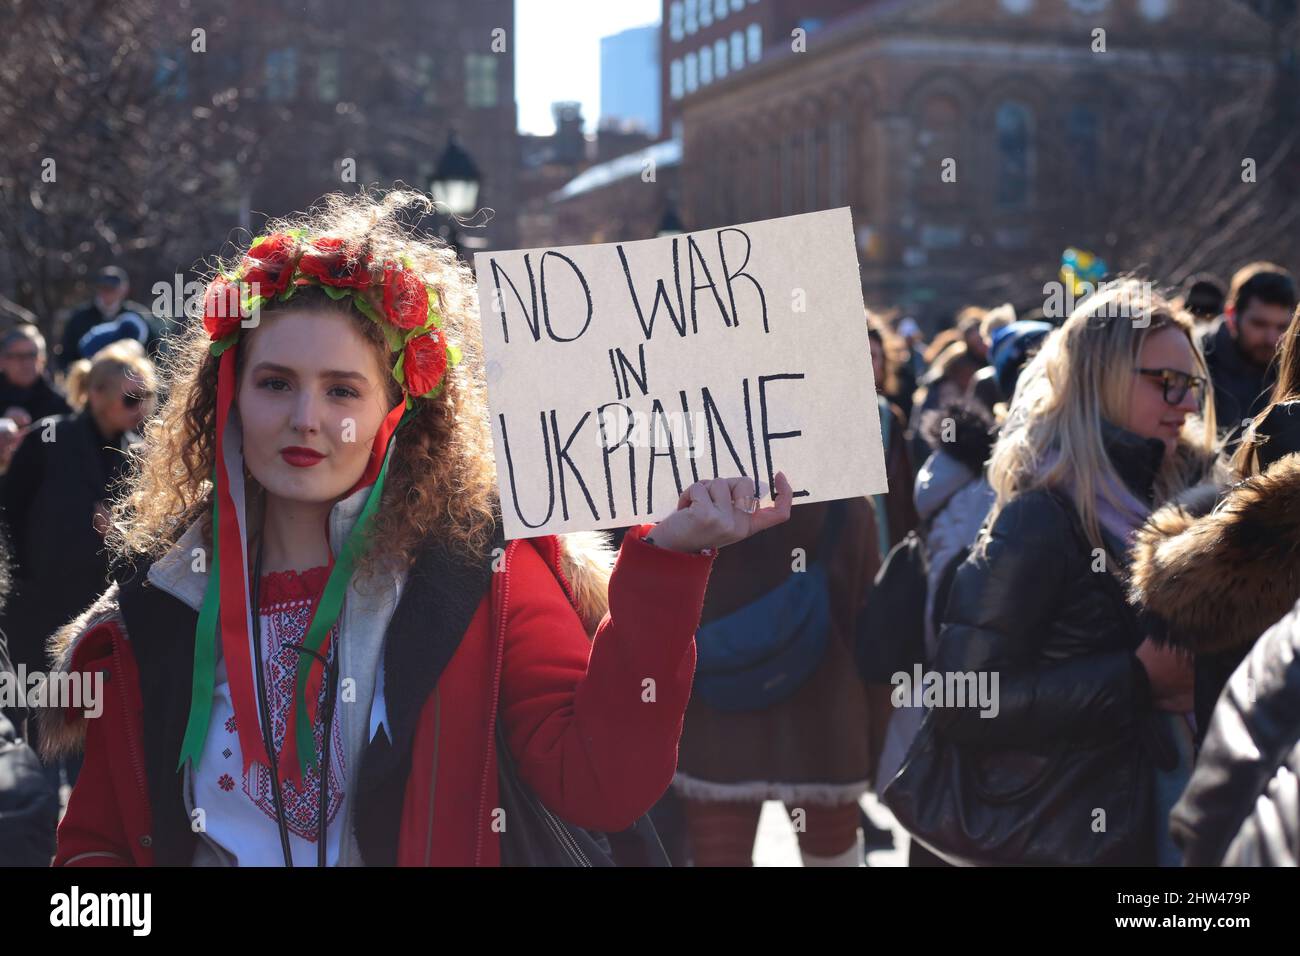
[721, 511]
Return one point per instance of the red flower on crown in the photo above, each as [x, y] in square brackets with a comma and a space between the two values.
[269, 264]
[221, 308]
[330, 262]
[406, 300]
[425, 362]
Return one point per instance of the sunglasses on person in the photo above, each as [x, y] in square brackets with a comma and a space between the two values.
[135, 400]
[1176, 384]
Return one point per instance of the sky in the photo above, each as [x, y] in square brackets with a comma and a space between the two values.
[557, 56]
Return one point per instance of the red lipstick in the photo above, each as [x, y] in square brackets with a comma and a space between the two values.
[300, 457]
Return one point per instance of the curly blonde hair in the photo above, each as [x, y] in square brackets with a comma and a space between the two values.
[442, 479]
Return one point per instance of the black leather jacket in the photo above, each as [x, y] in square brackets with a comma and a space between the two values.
[1060, 635]
[1242, 806]
[1039, 609]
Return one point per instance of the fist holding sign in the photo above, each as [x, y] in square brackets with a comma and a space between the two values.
[640, 381]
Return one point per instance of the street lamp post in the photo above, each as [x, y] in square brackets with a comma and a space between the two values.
[455, 185]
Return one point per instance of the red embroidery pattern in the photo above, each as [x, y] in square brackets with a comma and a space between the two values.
[286, 603]
[226, 782]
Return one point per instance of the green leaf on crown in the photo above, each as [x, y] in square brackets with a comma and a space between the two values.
[220, 345]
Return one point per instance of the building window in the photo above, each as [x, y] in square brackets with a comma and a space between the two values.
[675, 79]
[692, 15]
[706, 65]
[836, 163]
[425, 90]
[737, 50]
[719, 9]
[675, 22]
[327, 76]
[754, 41]
[706, 13]
[1081, 140]
[720, 58]
[282, 74]
[692, 73]
[480, 80]
[1015, 154]
[737, 5]
[937, 140]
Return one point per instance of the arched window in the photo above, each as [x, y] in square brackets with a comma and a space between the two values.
[1015, 154]
[938, 143]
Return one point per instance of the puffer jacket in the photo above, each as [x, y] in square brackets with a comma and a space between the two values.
[1060, 635]
[1242, 806]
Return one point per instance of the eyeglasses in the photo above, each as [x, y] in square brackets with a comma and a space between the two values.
[1176, 384]
[132, 400]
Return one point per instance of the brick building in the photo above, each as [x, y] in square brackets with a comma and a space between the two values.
[974, 141]
[704, 41]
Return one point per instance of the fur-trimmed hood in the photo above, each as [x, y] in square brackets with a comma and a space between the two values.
[1218, 580]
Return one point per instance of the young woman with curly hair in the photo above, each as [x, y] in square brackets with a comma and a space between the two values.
[323, 457]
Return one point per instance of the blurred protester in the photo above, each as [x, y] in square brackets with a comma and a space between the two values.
[55, 496]
[970, 320]
[1204, 297]
[912, 366]
[26, 393]
[952, 499]
[1088, 713]
[938, 345]
[1240, 808]
[984, 385]
[111, 315]
[1011, 349]
[1215, 569]
[1239, 349]
[776, 710]
[29, 805]
[949, 380]
[895, 514]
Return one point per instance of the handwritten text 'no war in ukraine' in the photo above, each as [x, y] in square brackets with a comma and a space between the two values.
[735, 294]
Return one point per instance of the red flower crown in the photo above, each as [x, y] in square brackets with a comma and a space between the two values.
[392, 295]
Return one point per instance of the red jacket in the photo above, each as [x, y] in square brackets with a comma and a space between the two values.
[594, 724]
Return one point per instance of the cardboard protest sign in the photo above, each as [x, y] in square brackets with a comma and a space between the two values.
[619, 374]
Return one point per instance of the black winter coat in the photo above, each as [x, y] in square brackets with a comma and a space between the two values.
[1241, 390]
[1059, 633]
[1242, 806]
[48, 503]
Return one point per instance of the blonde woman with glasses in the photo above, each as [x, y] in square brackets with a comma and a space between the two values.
[1084, 742]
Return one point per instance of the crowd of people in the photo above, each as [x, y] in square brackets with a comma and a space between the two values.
[1091, 514]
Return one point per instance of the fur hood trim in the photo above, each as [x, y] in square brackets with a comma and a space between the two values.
[1219, 580]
